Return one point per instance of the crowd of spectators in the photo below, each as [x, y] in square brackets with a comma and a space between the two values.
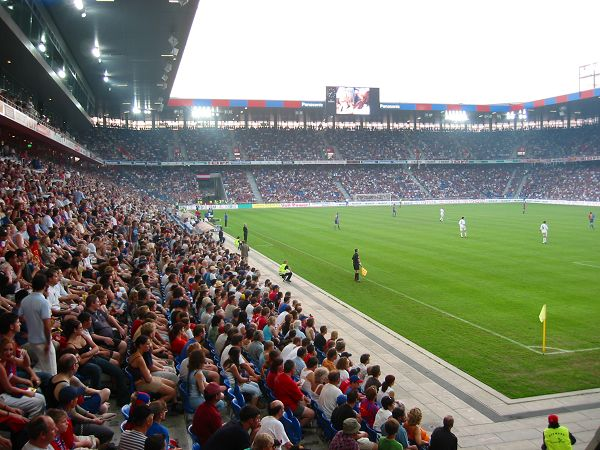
[297, 184]
[211, 144]
[102, 294]
[378, 180]
[126, 144]
[282, 144]
[457, 181]
[178, 185]
[563, 182]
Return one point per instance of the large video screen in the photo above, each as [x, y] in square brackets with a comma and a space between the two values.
[352, 101]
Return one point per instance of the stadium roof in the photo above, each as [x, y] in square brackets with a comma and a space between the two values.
[136, 41]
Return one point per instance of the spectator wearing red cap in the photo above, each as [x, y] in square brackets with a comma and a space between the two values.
[207, 418]
[556, 436]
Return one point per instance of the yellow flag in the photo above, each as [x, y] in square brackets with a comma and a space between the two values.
[363, 271]
[543, 314]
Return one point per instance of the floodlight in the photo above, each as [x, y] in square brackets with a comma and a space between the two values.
[42, 47]
[84, 13]
[168, 67]
[136, 110]
[202, 112]
[175, 51]
[78, 4]
[96, 51]
[61, 72]
[165, 77]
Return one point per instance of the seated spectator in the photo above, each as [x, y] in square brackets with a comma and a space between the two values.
[386, 388]
[265, 441]
[236, 435]
[41, 431]
[368, 406]
[384, 413]
[196, 383]
[28, 400]
[348, 437]
[287, 390]
[329, 394]
[416, 435]
[344, 410]
[442, 437]
[94, 400]
[65, 437]
[155, 442]
[374, 373]
[271, 424]
[141, 420]
[207, 418]
[144, 381]
[247, 384]
[399, 413]
[390, 428]
[159, 409]
[84, 423]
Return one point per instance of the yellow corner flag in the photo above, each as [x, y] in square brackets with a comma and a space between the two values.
[543, 315]
[363, 271]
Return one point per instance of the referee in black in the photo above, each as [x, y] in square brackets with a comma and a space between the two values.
[356, 264]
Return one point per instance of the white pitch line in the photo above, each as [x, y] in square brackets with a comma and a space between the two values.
[420, 302]
[585, 264]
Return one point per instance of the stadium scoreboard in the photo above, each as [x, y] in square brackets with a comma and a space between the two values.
[352, 101]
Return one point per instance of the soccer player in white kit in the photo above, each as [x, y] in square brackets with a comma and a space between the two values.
[544, 231]
[462, 226]
[442, 214]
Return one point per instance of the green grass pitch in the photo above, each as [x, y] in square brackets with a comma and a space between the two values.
[473, 302]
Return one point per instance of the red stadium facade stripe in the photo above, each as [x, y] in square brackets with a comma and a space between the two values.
[257, 103]
[180, 102]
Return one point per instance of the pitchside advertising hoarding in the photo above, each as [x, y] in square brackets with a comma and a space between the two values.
[190, 208]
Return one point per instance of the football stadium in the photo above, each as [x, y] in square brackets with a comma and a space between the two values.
[256, 224]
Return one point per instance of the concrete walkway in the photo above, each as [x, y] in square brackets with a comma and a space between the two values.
[484, 418]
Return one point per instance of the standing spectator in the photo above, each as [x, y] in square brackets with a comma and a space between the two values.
[557, 437]
[245, 230]
[35, 311]
[42, 431]
[442, 437]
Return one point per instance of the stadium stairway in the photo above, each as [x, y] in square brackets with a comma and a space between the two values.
[343, 190]
[520, 187]
[426, 193]
[509, 183]
[484, 418]
[254, 186]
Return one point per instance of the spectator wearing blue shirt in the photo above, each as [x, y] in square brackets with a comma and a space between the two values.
[159, 409]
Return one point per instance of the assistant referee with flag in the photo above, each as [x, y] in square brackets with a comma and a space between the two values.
[356, 265]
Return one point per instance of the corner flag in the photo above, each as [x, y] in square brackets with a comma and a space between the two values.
[542, 316]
